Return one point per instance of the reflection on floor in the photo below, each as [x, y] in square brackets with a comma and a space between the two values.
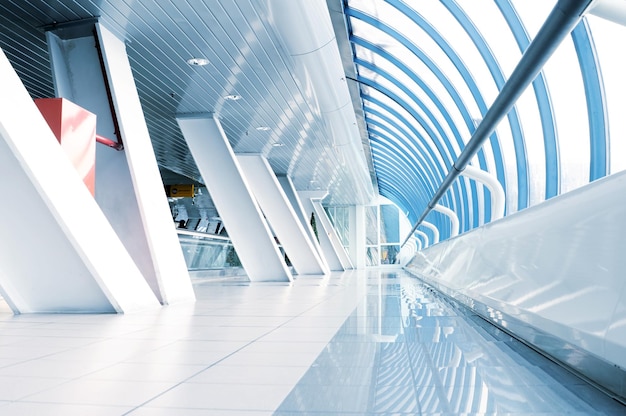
[368, 342]
[407, 351]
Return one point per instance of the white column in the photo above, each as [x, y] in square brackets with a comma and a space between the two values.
[434, 229]
[281, 216]
[357, 236]
[305, 219]
[128, 184]
[233, 198]
[331, 233]
[58, 252]
[454, 220]
[328, 249]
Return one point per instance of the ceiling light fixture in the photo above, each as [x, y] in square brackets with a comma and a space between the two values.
[232, 97]
[263, 128]
[278, 144]
[198, 61]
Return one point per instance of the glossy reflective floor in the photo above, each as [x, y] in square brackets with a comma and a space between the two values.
[369, 342]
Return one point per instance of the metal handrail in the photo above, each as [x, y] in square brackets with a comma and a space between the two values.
[561, 21]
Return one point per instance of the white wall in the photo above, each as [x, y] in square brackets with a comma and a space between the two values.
[558, 267]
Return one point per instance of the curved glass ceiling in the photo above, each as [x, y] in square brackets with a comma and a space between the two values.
[428, 73]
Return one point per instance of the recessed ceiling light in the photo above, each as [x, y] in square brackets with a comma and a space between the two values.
[232, 97]
[278, 144]
[197, 61]
[263, 128]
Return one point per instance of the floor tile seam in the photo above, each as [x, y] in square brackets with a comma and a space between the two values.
[238, 350]
[47, 403]
[71, 379]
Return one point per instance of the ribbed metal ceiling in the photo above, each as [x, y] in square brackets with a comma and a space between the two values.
[274, 116]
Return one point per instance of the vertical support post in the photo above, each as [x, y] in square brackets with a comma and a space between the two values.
[307, 199]
[290, 192]
[333, 238]
[129, 189]
[233, 198]
[281, 216]
[357, 236]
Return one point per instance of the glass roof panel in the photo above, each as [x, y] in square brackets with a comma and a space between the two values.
[429, 71]
[613, 66]
[564, 78]
[533, 13]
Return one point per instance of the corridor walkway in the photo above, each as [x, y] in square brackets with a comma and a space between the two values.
[369, 342]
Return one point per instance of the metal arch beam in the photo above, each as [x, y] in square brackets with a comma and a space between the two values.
[421, 141]
[559, 24]
[447, 155]
[540, 88]
[392, 174]
[596, 101]
[427, 90]
[382, 151]
[466, 196]
[429, 115]
[409, 186]
[402, 173]
[429, 63]
[519, 144]
[404, 152]
[436, 71]
[462, 190]
[408, 180]
[391, 193]
[465, 74]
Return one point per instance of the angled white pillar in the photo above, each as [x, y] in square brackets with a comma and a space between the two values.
[280, 214]
[233, 198]
[424, 237]
[326, 244]
[290, 192]
[330, 231]
[454, 220]
[128, 184]
[58, 252]
[332, 240]
[434, 229]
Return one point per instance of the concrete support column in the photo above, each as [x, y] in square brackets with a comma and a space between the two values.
[281, 216]
[305, 219]
[94, 72]
[233, 198]
[58, 252]
[324, 228]
[357, 236]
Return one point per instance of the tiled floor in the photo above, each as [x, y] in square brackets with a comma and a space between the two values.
[375, 342]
